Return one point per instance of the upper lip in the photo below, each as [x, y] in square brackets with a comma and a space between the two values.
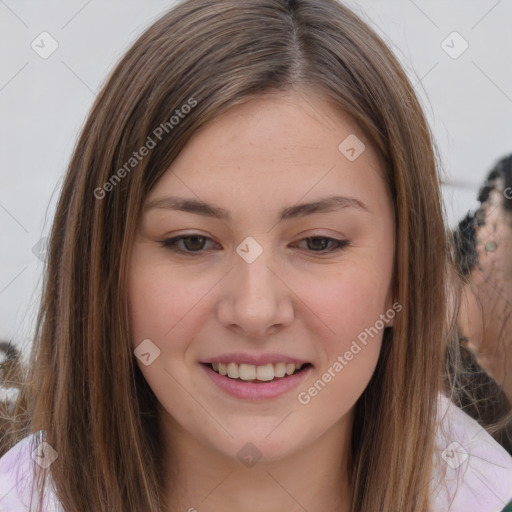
[255, 359]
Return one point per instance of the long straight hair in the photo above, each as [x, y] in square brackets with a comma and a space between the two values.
[85, 388]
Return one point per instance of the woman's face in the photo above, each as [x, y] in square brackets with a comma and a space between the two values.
[243, 258]
[487, 313]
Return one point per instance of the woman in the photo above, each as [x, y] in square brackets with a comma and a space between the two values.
[246, 281]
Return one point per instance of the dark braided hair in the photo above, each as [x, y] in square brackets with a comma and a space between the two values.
[499, 177]
[464, 240]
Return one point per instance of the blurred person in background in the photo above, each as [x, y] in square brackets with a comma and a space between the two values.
[483, 251]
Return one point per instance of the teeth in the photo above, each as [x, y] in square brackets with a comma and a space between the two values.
[266, 372]
[233, 370]
[249, 372]
[280, 370]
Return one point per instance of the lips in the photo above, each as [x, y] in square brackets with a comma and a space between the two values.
[256, 376]
[255, 389]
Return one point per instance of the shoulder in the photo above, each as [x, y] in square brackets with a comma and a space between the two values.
[18, 468]
[472, 472]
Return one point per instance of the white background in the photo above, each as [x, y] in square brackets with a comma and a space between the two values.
[43, 104]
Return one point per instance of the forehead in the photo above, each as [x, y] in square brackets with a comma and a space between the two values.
[280, 127]
[274, 147]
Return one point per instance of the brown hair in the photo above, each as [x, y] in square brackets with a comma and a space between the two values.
[85, 389]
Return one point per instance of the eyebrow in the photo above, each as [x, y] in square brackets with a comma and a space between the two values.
[325, 205]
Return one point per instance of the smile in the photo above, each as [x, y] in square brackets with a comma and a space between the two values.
[256, 382]
[254, 373]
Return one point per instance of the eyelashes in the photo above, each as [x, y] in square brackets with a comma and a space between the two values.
[336, 244]
[172, 243]
[193, 245]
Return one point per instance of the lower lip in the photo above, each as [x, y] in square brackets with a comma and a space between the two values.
[256, 391]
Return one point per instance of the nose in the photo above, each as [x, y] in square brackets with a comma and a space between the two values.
[256, 301]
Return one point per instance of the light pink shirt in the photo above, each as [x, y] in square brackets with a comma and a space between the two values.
[473, 472]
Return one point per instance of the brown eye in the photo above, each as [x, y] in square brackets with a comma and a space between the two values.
[194, 243]
[318, 244]
[187, 244]
[323, 244]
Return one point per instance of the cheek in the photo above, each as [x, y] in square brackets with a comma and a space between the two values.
[348, 302]
[161, 300]
[352, 309]
[351, 306]
[470, 319]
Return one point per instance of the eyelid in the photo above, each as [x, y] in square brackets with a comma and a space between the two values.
[170, 243]
[339, 244]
